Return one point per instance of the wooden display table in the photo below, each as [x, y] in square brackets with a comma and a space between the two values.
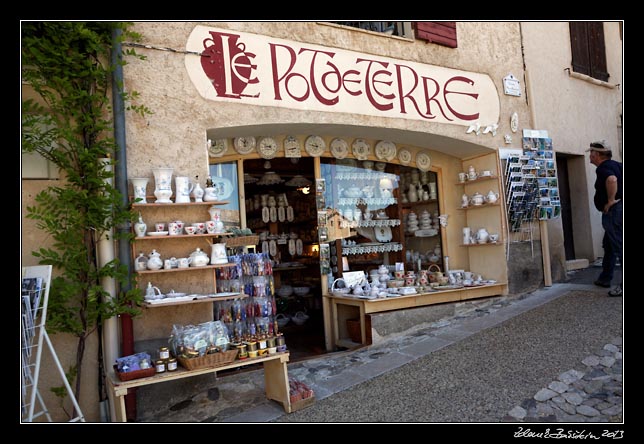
[275, 380]
[341, 312]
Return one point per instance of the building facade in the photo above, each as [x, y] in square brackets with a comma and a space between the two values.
[400, 132]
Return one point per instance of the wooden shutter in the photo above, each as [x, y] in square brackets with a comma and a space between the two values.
[579, 46]
[441, 33]
[597, 51]
[588, 49]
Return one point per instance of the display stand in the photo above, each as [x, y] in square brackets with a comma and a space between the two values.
[35, 282]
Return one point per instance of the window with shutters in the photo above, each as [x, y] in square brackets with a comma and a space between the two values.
[400, 29]
[588, 49]
[441, 33]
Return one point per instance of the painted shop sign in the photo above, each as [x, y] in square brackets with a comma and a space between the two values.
[259, 70]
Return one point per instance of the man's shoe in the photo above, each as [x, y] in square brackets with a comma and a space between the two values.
[602, 284]
[616, 292]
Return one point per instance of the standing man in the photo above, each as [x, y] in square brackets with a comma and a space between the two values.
[608, 200]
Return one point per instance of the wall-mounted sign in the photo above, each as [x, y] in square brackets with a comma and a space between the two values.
[511, 86]
[240, 67]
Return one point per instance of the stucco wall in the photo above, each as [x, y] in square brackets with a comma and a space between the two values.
[575, 112]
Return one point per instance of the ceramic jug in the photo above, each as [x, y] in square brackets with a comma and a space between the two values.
[152, 293]
[412, 195]
[218, 255]
[183, 188]
[140, 227]
[215, 215]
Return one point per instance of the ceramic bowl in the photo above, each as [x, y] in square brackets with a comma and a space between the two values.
[285, 291]
[301, 291]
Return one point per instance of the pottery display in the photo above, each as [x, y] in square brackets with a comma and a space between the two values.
[139, 185]
[198, 258]
[183, 188]
[218, 255]
[140, 227]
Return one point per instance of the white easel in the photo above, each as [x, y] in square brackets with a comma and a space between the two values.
[30, 360]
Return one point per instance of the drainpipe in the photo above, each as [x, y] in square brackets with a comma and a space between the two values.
[120, 176]
[109, 336]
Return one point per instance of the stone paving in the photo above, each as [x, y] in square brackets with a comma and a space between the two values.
[590, 394]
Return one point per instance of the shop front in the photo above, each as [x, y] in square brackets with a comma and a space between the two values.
[360, 177]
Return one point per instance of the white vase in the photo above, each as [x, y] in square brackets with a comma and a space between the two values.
[139, 186]
[163, 184]
[198, 192]
[140, 227]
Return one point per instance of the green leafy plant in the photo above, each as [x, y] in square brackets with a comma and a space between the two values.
[68, 65]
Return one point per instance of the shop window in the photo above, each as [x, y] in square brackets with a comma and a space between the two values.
[441, 33]
[588, 49]
[224, 178]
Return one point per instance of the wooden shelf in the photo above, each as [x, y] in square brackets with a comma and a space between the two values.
[172, 204]
[181, 236]
[174, 270]
[478, 179]
[482, 245]
[419, 203]
[473, 207]
[197, 301]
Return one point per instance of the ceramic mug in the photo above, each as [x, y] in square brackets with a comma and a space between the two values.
[462, 177]
[173, 228]
[159, 226]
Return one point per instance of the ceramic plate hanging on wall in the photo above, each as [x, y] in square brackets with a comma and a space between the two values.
[217, 147]
[315, 146]
[385, 150]
[339, 148]
[244, 145]
[361, 149]
[404, 155]
[267, 147]
[423, 161]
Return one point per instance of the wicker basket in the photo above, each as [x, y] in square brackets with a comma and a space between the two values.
[212, 360]
[242, 241]
[135, 374]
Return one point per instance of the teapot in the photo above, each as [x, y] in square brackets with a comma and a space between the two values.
[198, 258]
[154, 261]
[492, 197]
[482, 236]
[152, 293]
[477, 199]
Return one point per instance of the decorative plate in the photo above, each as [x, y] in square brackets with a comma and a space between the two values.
[385, 150]
[423, 161]
[244, 145]
[299, 246]
[267, 147]
[361, 149]
[158, 233]
[224, 187]
[339, 148]
[217, 147]
[315, 146]
[383, 234]
[404, 155]
[514, 122]
[292, 147]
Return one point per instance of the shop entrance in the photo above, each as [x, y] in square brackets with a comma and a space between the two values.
[280, 207]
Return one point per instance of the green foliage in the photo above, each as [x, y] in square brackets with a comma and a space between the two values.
[68, 65]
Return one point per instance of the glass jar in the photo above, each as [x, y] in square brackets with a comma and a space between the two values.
[171, 364]
[159, 364]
